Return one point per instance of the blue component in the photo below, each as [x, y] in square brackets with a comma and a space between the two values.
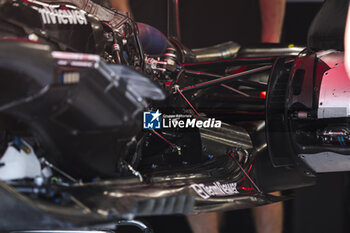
[341, 143]
[17, 142]
[62, 78]
[210, 156]
[184, 163]
[125, 54]
[57, 200]
[342, 138]
[153, 41]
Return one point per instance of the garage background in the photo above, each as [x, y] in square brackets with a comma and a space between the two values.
[323, 208]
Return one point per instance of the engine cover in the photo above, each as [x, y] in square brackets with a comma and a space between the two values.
[62, 25]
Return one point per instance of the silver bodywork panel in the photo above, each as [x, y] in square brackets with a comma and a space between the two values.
[327, 162]
[334, 99]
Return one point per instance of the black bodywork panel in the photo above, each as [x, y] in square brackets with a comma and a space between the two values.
[164, 193]
[83, 126]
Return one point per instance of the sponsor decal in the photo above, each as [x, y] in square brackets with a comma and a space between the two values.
[157, 120]
[215, 190]
[50, 15]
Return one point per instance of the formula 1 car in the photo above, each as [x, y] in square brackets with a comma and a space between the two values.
[103, 120]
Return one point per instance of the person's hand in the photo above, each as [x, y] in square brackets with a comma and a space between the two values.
[272, 16]
[122, 5]
[347, 44]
